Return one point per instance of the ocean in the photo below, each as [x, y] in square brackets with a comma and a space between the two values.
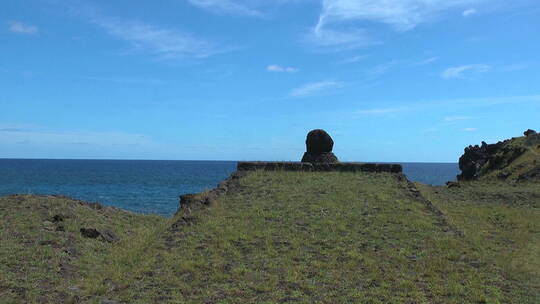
[146, 186]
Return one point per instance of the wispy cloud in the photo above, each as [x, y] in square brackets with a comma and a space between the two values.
[465, 71]
[469, 12]
[21, 28]
[249, 8]
[427, 61]
[338, 40]
[379, 111]
[342, 18]
[470, 129]
[281, 69]
[355, 59]
[226, 7]
[456, 118]
[383, 68]
[402, 15]
[126, 80]
[166, 43]
[314, 87]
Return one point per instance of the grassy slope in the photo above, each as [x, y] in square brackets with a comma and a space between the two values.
[289, 237]
[502, 221]
[528, 161]
[39, 263]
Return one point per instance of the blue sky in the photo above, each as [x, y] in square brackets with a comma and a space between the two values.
[395, 80]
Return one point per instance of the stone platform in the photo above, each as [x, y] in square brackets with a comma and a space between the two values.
[337, 167]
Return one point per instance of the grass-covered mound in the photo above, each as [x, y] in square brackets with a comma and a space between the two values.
[44, 257]
[515, 159]
[287, 237]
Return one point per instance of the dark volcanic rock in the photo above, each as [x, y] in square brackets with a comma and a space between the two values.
[529, 132]
[318, 141]
[303, 167]
[109, 236]
[319, 147]
[327, 157]
[90, 233]
[480, 159]
[452, 185]
[58, 218]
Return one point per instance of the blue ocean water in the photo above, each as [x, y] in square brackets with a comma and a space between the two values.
[145, 186]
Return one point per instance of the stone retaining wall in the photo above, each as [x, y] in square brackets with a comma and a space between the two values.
[339, 167]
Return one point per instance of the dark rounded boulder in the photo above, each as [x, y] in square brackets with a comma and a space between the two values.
[318, 141]
[319, 147]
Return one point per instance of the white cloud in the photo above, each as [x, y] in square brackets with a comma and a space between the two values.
[125, 80]
[465, 71]
[342, 17]
[166, 43]
[340, 39]
[400, 14]
[250, 8]
[355, 59]
[456, 118]
[314, 87]
[226, 6]
[379, 111]
[428, 61]
[278, 68]
[470, 129]
[468, 12]
[21, 28]
[383, 68]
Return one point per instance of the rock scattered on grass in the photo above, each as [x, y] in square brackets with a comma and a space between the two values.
[92, 233]
[58, 218]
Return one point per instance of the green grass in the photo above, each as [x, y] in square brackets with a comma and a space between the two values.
[40, 263]
[289, 237]
[502, 221]
[527, 162]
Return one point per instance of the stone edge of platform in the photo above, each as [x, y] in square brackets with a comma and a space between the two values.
[329, 167]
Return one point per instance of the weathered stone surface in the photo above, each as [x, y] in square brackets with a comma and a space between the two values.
[190, 202]
[529, 132]
[90, 233]
[478, 159]
[304, 166]
[453, 185]
[109, 236]
[325, 157]
[318, 141]
[319, 147]
[58, 218]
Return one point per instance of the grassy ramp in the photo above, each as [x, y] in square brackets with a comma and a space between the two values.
[286, 237]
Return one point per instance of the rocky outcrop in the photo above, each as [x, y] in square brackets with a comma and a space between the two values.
[319, 147]
[195, 201]
[498, 159]
[529, 132]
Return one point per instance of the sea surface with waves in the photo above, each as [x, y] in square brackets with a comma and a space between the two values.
[147, 186]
